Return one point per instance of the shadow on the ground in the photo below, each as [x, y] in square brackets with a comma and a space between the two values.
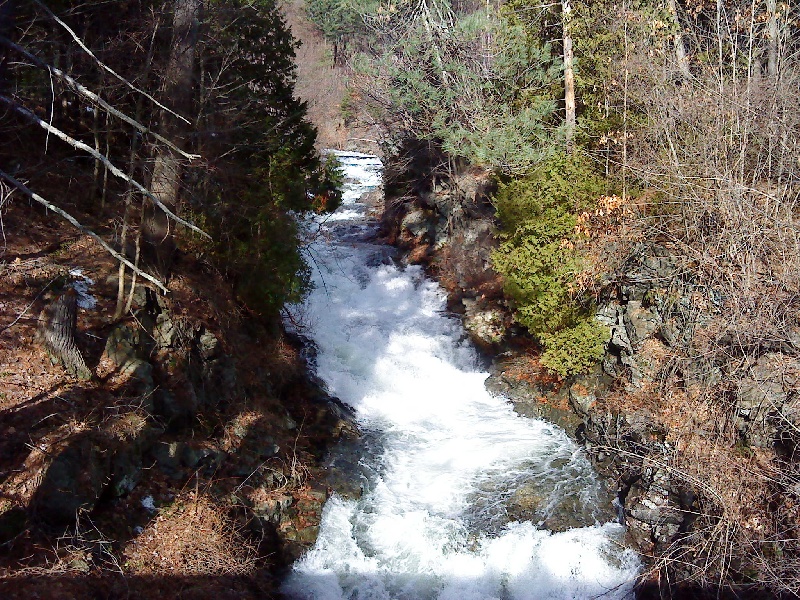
[262, 585]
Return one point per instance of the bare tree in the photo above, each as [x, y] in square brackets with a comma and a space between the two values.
[569, 76]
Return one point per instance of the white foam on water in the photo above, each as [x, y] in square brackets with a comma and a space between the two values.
[433, 522]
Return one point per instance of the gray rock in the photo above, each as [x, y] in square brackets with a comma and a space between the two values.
[273, 508]
[122, 345]
[141, 373]
[417, 223]
[123, 349]
[126, 463]
[607, 314]
[72, 482]
[640, 322]
[656, 515]
[209, 346]
[620, 342]
[582, 396]
[193, 458]
[755, 396]
[169, 456]
[171, 409]
[485, 325]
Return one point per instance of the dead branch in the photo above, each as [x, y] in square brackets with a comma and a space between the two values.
[83, 229]
[111, 167]
[78, 88]
[102, 65]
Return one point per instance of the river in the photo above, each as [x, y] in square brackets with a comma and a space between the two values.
[461, 497]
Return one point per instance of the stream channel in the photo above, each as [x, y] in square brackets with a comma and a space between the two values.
[458, 497]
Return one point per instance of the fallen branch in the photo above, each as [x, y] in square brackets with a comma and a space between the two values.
[102, 65]
[111, 167]
[77, 87]
[24, 189]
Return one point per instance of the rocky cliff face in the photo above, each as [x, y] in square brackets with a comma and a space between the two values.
[445, 222]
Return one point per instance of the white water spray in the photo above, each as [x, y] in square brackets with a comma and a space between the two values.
[447, 462]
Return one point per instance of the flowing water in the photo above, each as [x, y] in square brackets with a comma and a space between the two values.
[461, 497]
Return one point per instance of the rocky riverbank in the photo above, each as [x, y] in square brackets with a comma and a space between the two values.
[692, 437]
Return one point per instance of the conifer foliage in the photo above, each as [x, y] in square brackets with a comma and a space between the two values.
[161, 113]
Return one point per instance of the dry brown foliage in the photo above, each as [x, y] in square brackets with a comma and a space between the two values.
[192, 536]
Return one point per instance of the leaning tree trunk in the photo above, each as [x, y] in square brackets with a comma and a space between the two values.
[57, 326]
[157, 229]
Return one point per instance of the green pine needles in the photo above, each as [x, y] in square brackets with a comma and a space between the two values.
[539, 260]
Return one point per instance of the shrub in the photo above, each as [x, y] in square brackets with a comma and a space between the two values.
[571, 350]
[539, 260]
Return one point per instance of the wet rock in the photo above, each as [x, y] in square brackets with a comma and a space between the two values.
[272, 509]
[531, 398]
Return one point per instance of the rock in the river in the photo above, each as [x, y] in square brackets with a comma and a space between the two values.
[485, 325]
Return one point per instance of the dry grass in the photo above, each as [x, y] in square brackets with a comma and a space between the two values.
[192, 536]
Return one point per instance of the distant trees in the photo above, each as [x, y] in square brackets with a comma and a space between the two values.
[191, 113]
[460, 75]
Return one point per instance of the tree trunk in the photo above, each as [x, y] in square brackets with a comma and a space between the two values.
[7, 15]
[772, 38]
[680, 49]
[569, 77]
[57, 326]
[157, 230]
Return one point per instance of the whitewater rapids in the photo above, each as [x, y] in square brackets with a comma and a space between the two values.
[444, 463]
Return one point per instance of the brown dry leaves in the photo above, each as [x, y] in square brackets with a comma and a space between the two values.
[192, 536]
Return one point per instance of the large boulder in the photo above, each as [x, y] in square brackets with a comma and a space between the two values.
[73, 480]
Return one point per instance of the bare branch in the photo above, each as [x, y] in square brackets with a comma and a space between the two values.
[83, 229]
[111, 167]
[94, 97]
[104, 66]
